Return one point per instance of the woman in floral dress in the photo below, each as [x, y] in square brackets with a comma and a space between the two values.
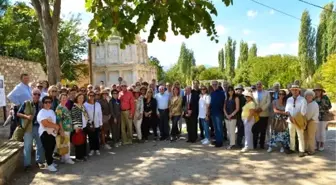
[280, 117]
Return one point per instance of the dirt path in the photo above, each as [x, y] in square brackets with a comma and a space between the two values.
[181, 163]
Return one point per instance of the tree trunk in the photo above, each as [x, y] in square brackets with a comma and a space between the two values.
[50, 43]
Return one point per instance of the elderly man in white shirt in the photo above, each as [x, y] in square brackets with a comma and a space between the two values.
[312, 118]
[294, 106]
[162, 99]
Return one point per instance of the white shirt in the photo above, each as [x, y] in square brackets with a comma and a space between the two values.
[98, 118]
[43, 115]
[162, 100]
[312, 111]
[300, 106]
[203, 102]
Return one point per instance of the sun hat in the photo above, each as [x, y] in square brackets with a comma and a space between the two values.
[318, 87]
[239, 87]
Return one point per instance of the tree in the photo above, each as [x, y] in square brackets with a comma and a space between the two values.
[331, 34]
[253, 51]
[306, 46]
[322, 34]
[159, 69]
[230, 58]
[21, 37]
[243, 54]
[196, 71]
[174, 74]
[48, 14]
[211, 74]
[242, 74]
[3, 6]
[221, 59]
[183, 17]
[185, 61]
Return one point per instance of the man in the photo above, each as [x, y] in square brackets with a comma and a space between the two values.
[28, 113]
[105, 131]
[20, 94]
[240, 125]
[39, 85]
[216, 112]
[113, 87]
[276, 89]
[72, 94]
[263, 101]
[196, 92]
[169, 89]
[89, 87]
[127, 113]
[178, 85]
[190, 113]
[162, 100]
[102, 83]
[296, 108]
[154, 86]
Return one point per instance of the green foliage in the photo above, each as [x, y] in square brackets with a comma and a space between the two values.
[129, 17]
[221, 61]
[196, 71]
[21, 37]
[174, 74]
[3, 6]
[306, 46]
[230, 48]
[185, 62]
[242, 74]
[253, 51]
[274, 68]
[329, 76]
[331, 34]
[155, 62]
[211, 74]
[322, 34]
[243, 54]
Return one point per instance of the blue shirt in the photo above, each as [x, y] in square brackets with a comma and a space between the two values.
[162, 100]
[217, 103]
[20, 94]
[259, 96]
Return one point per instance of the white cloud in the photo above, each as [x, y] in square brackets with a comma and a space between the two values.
[220, 30]
[74, 6]
[252, 13]
[279, 48]
[251, 42]
[271, 12]
[246, 31]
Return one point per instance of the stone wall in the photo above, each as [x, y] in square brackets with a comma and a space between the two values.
[12, 68]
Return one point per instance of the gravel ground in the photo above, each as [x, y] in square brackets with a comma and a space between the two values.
[180, 163]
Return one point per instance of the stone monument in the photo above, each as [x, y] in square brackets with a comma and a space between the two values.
[109, 62]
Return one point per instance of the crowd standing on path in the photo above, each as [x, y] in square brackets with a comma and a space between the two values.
[95, 117]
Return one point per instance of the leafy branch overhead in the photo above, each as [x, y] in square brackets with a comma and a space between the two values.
[129, 17]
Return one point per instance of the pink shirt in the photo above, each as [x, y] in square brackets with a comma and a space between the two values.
[126, 101]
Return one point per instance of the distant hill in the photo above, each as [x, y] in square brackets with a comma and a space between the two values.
[166, 68]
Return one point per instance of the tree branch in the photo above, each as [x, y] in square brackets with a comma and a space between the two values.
[38, 10]
[56, 13]
[46, 12]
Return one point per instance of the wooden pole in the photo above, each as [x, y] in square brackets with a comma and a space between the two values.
[90, 62]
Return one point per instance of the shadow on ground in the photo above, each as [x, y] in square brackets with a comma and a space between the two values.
[182, 163]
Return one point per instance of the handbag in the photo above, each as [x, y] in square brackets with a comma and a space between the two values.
[279, 124]
[90, 125]
[62, 144]
[78, 138]
[21, 129]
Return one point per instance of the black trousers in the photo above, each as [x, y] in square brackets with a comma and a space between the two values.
[259, 128]
[164, 123]
[212, 128]
[201, 128]
[93, 138]
[145, 126]
[240, 133]
[48, 143]
[175, 130]
[191, 128]
[224, 131]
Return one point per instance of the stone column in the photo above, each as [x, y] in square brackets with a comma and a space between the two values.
[106, 78]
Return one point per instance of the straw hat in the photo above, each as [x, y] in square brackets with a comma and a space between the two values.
[240, 87]
[318, 87]
[123, 83]
[105, 91]
[294, 86]
[248, 93]
[136, 90]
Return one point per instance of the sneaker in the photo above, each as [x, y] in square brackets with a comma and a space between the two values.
[54, 164]
[244, 149]
[40, 165]
[270, 150]
[321, 149]
[301, 154]
[97, 152]
[206, 142]
[116, 145]
[282, 150]
[203, 140]
[107, 147]
[229, 147]
[91, 153]
[52, 168]
[69, 161]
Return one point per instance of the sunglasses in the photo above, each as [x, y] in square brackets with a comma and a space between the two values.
[47, 102]
[39, 86]
[214, 84]
[37, 94]
[203, 89]
[114, 93]
[83, 90]
[91, 95]
[53, 91]
[281, 94]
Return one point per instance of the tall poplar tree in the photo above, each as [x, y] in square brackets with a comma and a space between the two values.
[322, 40]
[185, 61]
[221, 59]
[230, 48]
[306, 46]
[253, 51]
[243, 54]
[331, 34]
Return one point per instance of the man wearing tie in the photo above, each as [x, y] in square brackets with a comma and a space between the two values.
[190, 105]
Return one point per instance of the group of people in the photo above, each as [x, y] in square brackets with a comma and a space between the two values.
[243, 117]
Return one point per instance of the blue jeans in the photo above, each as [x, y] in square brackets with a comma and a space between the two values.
[174, 131]
[218, 125]
[205, 126]
[28, 145]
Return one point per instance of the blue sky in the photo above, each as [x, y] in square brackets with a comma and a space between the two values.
[273, 32]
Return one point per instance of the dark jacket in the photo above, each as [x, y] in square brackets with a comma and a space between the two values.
[115, 108]
[193, 104]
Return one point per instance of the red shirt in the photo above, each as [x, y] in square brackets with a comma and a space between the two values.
[127, 101]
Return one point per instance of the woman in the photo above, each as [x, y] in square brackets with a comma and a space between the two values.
[279, 128]
[231, 108]
[79, 118]
[63, 119]
[203, 114]
[248, 119]
[312, 115]
[138, 114]
[150, 116]
[143, 90]
[105, 131]
[175, 112]
[324, 106]
[92, 128]
[48, 130]
[115, 117]
[45, 86]
[52, 92]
